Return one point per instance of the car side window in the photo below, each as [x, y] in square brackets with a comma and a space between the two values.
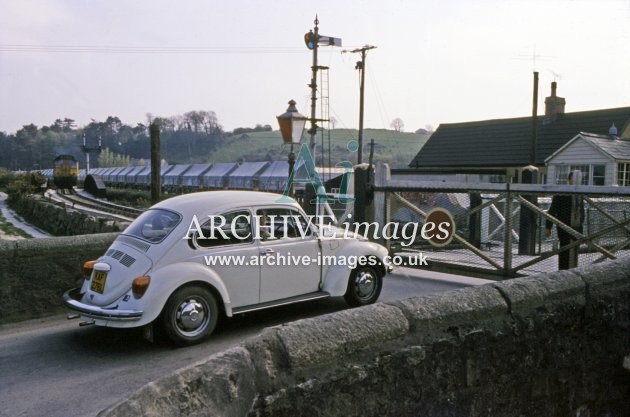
[281, 223]
[227, 229]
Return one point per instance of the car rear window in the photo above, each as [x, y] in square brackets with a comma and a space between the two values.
[153, 225]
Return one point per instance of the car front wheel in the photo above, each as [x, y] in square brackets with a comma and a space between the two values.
[190, 315]
[364, 286]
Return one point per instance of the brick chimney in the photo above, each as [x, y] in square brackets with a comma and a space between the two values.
[554, 105]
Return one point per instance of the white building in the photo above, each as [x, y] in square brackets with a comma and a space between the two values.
[602, 159]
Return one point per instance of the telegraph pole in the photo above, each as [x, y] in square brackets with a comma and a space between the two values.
[532, 149]
[154, 133]
[529, 175]
[361, 67]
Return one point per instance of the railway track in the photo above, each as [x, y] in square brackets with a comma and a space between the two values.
[84, 202]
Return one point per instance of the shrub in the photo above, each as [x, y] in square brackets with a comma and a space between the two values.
[25, 184]
[6, 177]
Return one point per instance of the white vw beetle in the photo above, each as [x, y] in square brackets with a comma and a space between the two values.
[186, 259]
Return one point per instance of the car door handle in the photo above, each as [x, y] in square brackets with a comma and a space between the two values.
[267, 251]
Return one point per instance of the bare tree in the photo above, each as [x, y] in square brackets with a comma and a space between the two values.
[201, 121]
[397, 124]
[194, 119]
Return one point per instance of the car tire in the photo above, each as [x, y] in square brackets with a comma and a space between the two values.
[364, 286]
[190, 315]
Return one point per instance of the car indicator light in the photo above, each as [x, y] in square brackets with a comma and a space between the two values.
[139, 286]
[87, 269]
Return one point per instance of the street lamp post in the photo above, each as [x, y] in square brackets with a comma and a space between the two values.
[291, 125]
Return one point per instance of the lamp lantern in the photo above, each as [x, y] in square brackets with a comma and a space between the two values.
[291, 124]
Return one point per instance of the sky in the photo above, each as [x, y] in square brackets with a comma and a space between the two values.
[435, 62]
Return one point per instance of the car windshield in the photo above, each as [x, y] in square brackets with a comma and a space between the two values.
[153, 225]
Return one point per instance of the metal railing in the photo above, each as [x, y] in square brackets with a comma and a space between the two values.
[494, 221]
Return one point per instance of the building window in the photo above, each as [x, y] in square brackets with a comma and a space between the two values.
[599, 174]
[585, 170]
[561, 174]
[623, 174]
[497, 178]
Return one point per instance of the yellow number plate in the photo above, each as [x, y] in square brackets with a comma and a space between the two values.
[98, 281]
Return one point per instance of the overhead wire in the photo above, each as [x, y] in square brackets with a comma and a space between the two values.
[138, 49]
[382, 111]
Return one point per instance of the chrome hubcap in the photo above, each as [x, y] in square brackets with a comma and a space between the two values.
[366, 284]
[192, 316]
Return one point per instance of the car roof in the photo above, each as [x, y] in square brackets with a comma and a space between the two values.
[220, 201]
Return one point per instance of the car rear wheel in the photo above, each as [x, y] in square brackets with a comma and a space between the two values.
[190, 315]
[364, 286]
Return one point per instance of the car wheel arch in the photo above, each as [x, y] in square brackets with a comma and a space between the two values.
[195, 275]
[337, 277]
[209, 287]
[190, 315]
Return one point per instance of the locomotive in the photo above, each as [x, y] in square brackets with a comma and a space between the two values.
[65, 171]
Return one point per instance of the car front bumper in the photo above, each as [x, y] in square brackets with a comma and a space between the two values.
[72, 300]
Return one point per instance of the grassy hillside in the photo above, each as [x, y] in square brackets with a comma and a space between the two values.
[395, 148]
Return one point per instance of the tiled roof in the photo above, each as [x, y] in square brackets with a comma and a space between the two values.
[506, 142]
[615, 147]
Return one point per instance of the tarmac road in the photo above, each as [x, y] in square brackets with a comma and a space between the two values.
[51, 367]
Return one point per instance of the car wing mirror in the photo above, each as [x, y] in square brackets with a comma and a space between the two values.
[327, 232]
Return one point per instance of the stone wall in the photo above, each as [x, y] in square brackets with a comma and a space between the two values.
[35, 273]
[548, 345]
[61, 220]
